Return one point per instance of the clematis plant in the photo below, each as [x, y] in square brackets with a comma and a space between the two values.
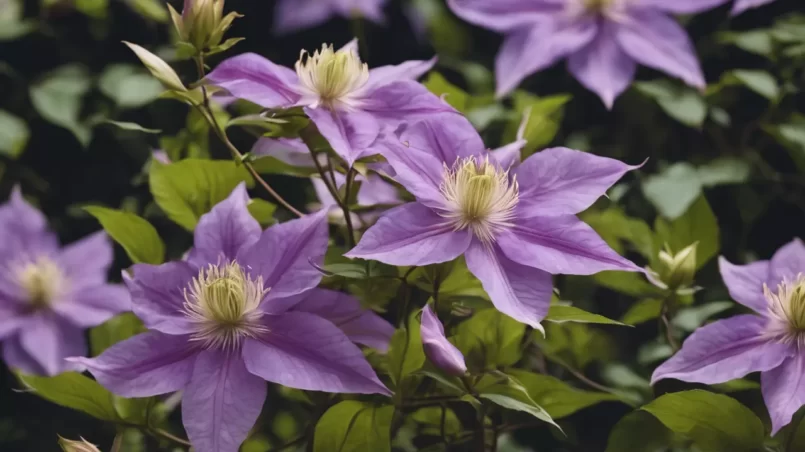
[438, 349]
[769, 341]
[741, 6]
[293, 15]
[48, 294]
[515, 226]
[604, 40]
[242, 309]
[349, 103]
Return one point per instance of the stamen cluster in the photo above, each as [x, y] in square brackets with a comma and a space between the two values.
[223, 302]
[480, 196]
[42, 279]
[333, 78]
[787, 310]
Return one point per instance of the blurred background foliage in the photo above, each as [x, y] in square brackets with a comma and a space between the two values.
[80, 117]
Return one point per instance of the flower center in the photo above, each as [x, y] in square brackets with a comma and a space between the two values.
[479, 195]
[597, 5]
[222, 301]
[42, 279]
[787, 309]
[332, 78]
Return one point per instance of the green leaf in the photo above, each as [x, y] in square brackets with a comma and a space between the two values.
[14, 135]
[490, 339]
[697, 224]
[262, 211]
[150, 9]
[97, 9]
[545, 117]
[557, 397]
[629, 283]
[272, 165]
[724, 171]
[114, 330]
[755, 41]
[758, 81]
[353, 426]
[509, 393]
[129, 86]
[75, 391]
[674, 190]
[639, 432]
[560, 314]
[574, 344]
[680, 102]
[455, 96]
[188, 189]
[133, 233]
[714, 422]
[431, 420]
[643, 311]
[688, 319]
[131, 126]
[406, 354]
[58, 99]
[615, 227]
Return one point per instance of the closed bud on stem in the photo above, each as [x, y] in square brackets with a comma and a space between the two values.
[676, 271]
[158, 68]
[202, 23]
[77, 446]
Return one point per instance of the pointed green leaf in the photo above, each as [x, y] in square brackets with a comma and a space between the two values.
[114, 330]
[188, 189]
[714, 422]
[353, 426]
[133, 233]
[510, 393]
[490, 339]
[75, 391]
[557, 397]
[560, 314]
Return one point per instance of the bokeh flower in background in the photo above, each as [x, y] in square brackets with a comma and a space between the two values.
[294, 15]
[50, 294]
[603, 40]
[243, 308]
[516, 227]
[769, 341]
[349, 103]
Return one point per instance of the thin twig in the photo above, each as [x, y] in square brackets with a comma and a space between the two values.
[441, 425]
[581, 377]
[669, 329]
[345, 207]
[206, 111]
[164, 434]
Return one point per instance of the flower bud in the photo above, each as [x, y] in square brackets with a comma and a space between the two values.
[438, 349]
[676, 271]
[77, 446]
[158, 68]
[202, 23]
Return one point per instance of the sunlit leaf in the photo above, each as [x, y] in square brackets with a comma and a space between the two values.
[14, 135]
[133, 233]
[74, 391]
[353, 426]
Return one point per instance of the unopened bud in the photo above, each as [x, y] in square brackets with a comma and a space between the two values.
[438, 349]
[202, 23]
[77, 446]
[158, 68]
[676, 271]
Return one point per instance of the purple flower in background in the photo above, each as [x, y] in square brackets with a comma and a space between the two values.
[771, 342]
[349, 103]
[49, 295]
[743, 5]
[438, 349]
[603, 39]
[242, 309]
[514, 226]
[293, 15]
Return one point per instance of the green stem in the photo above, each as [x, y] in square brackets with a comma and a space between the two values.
[208, 114]
[345, 207]
[117, 443]
[669, 329]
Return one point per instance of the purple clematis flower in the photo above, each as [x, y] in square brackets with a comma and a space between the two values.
[293, 15]
[770, 342]
[603, 39]
[438, 349]
[743, 5]
[48, 295]
[242, 309]
[515, 226]
[349, 103]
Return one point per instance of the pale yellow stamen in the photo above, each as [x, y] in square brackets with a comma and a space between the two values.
[332, 78]
[223, 302]
[787, 309]
[42, 279]
[480, 196]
